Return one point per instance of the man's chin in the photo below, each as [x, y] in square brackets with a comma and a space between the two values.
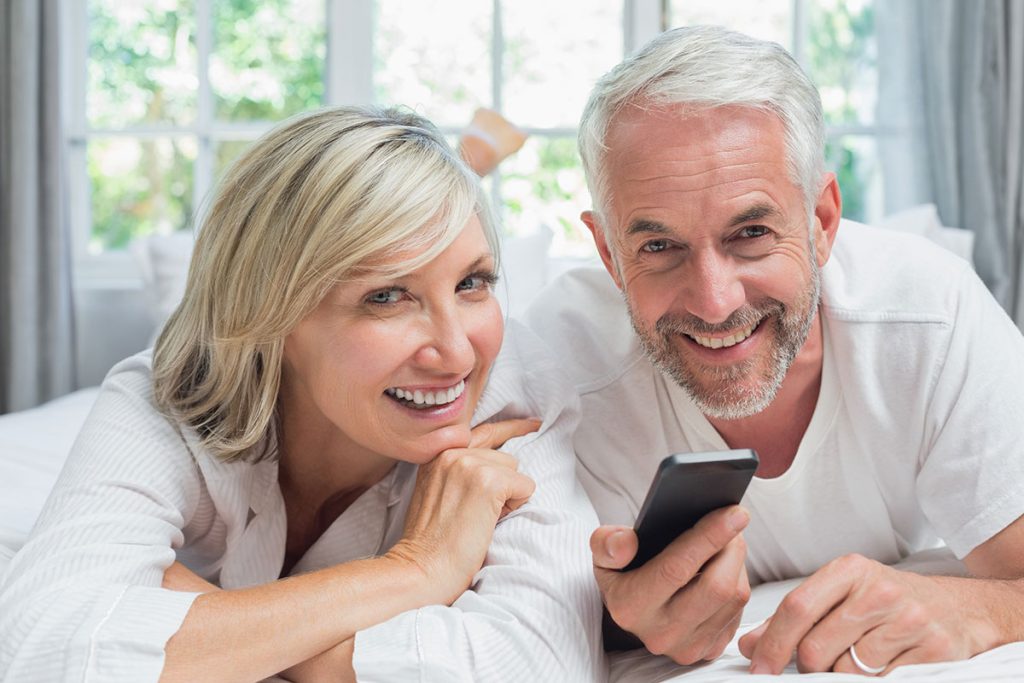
[731, 401]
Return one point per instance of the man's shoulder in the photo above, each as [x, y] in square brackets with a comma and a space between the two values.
[874, 274]
[582, 318]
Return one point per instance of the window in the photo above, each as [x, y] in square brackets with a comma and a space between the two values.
[834, 40]
[163, 94]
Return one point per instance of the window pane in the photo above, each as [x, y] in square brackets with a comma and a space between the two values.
[225, 152]
[543, 184]
[842, 53]
[268, 58]
[553, 54]
[142, 63]
[434, 56]
[139, 187]
[764, 19]
[854, 159]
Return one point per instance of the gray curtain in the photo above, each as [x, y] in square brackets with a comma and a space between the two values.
[36, 317]
[951, 81]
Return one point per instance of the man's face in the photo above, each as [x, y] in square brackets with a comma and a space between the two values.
[708, 239]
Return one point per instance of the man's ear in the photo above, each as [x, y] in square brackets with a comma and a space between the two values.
[827, 212]
[596, 230]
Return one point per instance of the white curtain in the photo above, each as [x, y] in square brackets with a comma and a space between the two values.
[951, 79]
[36, 316]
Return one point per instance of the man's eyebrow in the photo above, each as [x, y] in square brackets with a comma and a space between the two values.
[646, 226]
[754, 213]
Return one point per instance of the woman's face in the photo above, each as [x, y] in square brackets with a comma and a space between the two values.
[395, 367]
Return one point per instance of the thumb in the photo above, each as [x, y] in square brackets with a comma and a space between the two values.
[749, 639]
[613, 547]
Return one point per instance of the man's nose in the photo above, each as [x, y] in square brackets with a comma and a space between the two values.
[713, 290]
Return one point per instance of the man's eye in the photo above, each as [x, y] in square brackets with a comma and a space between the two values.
[385, 296]
[753, 232]
[655, 246]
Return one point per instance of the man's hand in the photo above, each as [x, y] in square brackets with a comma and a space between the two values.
[687, 601]
[892, 617]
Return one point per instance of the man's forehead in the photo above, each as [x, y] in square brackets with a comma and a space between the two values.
[638, 129]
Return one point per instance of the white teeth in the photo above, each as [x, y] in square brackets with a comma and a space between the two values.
[724, 342]
[422, 399]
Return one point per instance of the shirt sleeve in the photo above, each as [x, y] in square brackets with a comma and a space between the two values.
[83, 601]
[971, 481]
[533, 610]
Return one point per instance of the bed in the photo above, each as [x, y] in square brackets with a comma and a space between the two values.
[34, 444]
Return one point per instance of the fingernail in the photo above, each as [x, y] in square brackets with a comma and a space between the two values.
[614, 545]
[738, 519]
[759, 668]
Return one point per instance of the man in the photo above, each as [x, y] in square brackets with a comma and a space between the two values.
[875, 376]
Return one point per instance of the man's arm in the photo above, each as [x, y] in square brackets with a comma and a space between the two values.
[685, 603]
[895, 617]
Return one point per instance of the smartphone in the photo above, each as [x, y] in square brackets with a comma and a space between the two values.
[686, 487]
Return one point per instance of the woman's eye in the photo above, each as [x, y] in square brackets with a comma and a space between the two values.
[385, 296]
[655, 246]
[477, 281]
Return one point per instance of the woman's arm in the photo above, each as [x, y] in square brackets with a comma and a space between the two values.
[533, 611]
[252, 633]
[84, 601]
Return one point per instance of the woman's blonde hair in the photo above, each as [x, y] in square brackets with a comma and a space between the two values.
[317, 197]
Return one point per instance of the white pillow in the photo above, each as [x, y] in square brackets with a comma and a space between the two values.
[524, 270]
[924, 220]
[163, 263]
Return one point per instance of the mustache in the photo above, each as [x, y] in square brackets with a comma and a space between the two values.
[690, 325]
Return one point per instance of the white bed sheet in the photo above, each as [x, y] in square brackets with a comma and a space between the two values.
[1002, 664]
[34, 444]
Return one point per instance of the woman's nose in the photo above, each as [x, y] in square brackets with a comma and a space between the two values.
[446, 345]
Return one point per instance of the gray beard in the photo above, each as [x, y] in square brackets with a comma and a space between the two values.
[721, 392]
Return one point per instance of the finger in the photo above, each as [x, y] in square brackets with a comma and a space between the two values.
[711, 602]
[724, 638]
[613, 547]
[880, 646]
[850, 622]
[680, 561]
[798, 612]
[916, 655]
[519, 494]
[748, 641]
[492, 435]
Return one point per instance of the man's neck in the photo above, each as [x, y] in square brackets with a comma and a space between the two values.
[775, 433]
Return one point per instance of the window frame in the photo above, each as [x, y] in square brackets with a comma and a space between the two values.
[348, 76]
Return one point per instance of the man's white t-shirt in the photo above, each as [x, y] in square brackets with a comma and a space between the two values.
[917, 437]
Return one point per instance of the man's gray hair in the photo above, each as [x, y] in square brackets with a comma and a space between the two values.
[707, 67]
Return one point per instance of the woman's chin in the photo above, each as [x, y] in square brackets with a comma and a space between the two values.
[428, 446]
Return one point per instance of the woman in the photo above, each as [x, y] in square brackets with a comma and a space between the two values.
[307, 442]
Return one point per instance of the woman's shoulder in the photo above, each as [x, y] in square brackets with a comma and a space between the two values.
[526, 381]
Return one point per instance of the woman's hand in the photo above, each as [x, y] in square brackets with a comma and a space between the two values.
[458, 499]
